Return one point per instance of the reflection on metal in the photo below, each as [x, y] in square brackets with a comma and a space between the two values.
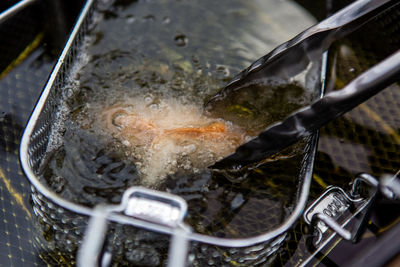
[308, 119]
[178, 247]
[14, 9]
[33, 151]
[154, 206]
[149, 205]
[17, 196]
[295, 56]
[334, 209]
[390, 186]
[33, 143]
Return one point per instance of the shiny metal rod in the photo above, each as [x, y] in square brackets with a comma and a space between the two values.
[14, 9]
[310, 118]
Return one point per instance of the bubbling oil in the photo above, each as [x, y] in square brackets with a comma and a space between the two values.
[133, 111]
[168, 135]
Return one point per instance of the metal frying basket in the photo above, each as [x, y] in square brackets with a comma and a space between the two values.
[142, 212]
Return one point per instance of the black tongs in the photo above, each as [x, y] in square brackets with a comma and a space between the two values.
[291, 58]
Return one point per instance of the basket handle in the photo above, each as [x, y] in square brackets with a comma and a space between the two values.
[92, 246]
[149, 206]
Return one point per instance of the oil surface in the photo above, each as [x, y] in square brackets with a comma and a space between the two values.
[162, 60]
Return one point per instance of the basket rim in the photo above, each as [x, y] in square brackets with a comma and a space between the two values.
[192, 236]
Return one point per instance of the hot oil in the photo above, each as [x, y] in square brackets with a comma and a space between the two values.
[135, 112]
[164, 135]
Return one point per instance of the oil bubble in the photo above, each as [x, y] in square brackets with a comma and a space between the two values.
[181, 40]
[166, 20]
[130, 20]
[126, 143]
[154, 106]
[149, 18]
[195, 59]
[148, 99]
[223, 71]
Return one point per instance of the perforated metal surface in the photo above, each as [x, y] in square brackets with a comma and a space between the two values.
[54, 212]
[27, 57]
[16, 245]
[366, 139]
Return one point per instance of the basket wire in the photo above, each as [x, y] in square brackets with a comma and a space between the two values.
[64, 222]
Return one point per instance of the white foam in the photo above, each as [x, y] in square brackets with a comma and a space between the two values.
[168, 136]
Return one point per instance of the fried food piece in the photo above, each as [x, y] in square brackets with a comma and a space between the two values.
[125, 124]
[170, 139]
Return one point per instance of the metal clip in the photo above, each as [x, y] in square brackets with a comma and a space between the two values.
[154, 206]
[334, 209]
[139, 204]
[390, 186]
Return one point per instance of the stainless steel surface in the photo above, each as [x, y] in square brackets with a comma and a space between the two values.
[286, 61]
[338, 154]
[390, 185]
[148, 205]
[336, 213]
[313, 117]
[15, 8]
[330, 206]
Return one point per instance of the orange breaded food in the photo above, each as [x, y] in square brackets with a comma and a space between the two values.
[128, 125]
[169, 138]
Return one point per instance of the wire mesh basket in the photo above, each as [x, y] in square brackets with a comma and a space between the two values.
[138, 230]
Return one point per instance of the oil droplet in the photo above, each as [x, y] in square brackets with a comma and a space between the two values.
[166, 20]
[149, 18]
[148, 99]
[223, 71]
[181, 40]
[130, 19]
[153, 106]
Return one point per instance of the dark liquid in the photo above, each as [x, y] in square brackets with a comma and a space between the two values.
[186, 51]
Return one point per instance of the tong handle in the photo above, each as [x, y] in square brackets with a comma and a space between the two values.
[293, 56]
[310, 118]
